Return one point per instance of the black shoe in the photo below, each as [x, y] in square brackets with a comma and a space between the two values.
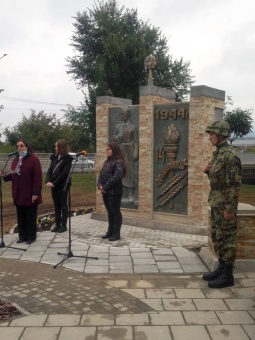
[62, 229]
[55, 229]
[107, 235]
[20, 241]
[114, 237]
[30, 241]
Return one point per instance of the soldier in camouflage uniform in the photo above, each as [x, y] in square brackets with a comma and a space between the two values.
[224, 172]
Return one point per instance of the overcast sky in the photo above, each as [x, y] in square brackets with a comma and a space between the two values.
[216, 36]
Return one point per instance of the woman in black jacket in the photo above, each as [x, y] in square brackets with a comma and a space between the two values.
[110, 184]
[56, 177]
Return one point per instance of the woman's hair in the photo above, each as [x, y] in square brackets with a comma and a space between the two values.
[29, 148]
[117, 153]
[62, 147]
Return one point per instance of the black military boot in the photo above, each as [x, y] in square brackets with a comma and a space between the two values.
[212, 275]
[108, 233]
[225, 279]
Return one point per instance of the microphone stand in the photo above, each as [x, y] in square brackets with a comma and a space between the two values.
[2, 244]
[70, 253]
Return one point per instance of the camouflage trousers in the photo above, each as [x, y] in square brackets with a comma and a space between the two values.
[224, 235]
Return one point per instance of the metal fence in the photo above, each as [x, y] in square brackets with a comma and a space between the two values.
[45, 162]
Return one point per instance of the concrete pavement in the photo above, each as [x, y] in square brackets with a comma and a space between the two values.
[146, 286]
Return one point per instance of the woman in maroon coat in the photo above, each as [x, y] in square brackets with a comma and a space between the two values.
[26, 190]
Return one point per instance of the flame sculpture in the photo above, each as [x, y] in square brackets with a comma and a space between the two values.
[171, 139]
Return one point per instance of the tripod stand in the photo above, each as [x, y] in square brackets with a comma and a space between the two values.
[2, 244]
[70, 253]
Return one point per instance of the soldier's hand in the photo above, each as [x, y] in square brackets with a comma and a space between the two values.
[228, 215]
[206, 168]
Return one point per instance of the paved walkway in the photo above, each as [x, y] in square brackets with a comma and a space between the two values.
[146, 286]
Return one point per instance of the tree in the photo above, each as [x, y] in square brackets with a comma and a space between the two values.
[111, 44]
[240, 122]
[81, 129]
[40, 130]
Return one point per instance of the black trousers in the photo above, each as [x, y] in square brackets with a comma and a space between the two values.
[112, 205]
[59, 197]
[26, 218]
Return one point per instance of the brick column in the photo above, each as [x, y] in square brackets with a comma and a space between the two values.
[206, 106]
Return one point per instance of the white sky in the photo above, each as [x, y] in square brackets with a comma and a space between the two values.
[216, 36]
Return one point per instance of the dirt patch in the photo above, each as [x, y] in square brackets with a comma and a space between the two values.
[8, 311]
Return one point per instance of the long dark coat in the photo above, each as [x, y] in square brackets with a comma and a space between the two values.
[28, 183]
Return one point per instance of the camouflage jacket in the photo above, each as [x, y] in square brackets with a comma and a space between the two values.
[225, 179]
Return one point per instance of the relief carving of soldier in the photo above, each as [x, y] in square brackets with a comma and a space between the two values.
[126, 134]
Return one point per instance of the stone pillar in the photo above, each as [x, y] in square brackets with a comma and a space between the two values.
[206, 106]
[102, 135]
[149, 96]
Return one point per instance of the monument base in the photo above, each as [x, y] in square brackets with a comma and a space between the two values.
[211, 262]
[155, 224]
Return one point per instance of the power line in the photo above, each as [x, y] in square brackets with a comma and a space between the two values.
[32, 101]
[12, 108]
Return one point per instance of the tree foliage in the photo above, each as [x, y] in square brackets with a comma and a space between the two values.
[111, 45]
[81, 128]
[240, 122]
[41, 130]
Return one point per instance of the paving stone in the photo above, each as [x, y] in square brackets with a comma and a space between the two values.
[142, 283]
[240, 304]
[160, 293]
[30, 320]
[223, 293]
[152, 333]
[224, 332]
[235, 317]
[167, 318]
[77, 333]
[63, 320]
[32, 333]
[132, 319]
[143, 261]
[250, 330]
[210, 304]
[120, 258]
[190, 332]
[170, 265]
[145, 269]
[140, 255]
[117, 332]
[178, 304]
[97, 320]
[201, 318]
[244, 292]
[247, 282]
[162, 251]
[195, 268]
[170, 283]
[156, 304]
[138, 293]
[189, 293]
[11, 333]
[164, 258]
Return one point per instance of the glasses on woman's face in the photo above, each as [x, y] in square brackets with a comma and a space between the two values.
[20, 145]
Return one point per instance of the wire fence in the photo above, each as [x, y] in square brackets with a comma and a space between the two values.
[86, 164]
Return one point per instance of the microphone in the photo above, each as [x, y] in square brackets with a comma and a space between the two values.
[13, 153]
[81, 153]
